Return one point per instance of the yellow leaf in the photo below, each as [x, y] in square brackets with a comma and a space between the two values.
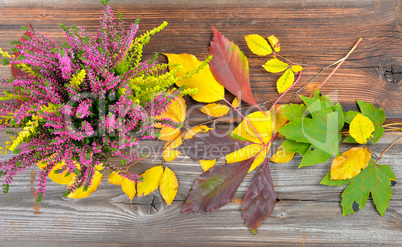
[169, 154]
[350, 163]
[169, 133]
[275, 65]
[259, 159]
[209, 90]
[285, 81]
[195, 130]
[274, 43]
[280, 118]
[297, 68]
[281, 156]
[128, 187]
[261, 122]
[244, 153]
[207, 164]
[115, 178]
[175, 111]
[151, 180]
[80, 193]
[168, 186]
[258, 45]
[59, 178]
[361, 128]
[215, 110]
[236, 102]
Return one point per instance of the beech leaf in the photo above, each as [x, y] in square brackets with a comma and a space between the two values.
[215, 110]
[80, 193]
[285, 81]
[258, 45]
[207, 164]
[211, 145]
[215, 187]
[275, 65]
[169, 152]
[260, 198]
[152, 178]
[195, 130]
[168, 186]
[128, 187]
[230, 67]
[350, 163]
[209, 90]
[361, 128]
[59, 178]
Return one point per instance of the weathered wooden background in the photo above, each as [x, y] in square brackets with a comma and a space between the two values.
[313, 32]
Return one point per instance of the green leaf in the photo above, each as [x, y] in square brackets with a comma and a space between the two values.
[258, 45]
[293, 111]
[377, 116]
[275, 65]
[293, 146]
[285, 81]
[350, 115]
[375, 179]
[327, 181]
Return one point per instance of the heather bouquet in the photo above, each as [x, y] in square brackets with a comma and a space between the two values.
[80, 103]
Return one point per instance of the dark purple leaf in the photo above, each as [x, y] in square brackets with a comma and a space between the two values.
[230, 67]
[260, 198]
[215, 187]
[211, 145]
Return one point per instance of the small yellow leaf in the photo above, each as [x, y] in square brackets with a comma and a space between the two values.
[261, 122]
[236, 102]
[285, 81]
[361, 128]
[168, 186]
[280, 118]
[209, 90]
[175, 111]
[275, 65]
[128, 187]
[195, 130]
[169, 154]
[80, 193]
[59, 178]
[297, 68]
[215, 110]
[281, 156]
[207, 164]
[258, 45]
[274, 42]
[259, 159]
[151, 180]
[115, 178]
[350, 163]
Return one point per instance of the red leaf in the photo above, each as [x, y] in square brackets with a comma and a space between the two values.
[260, 198]
[15, 71]
[215, 187]
[211, 145]
[230, 67]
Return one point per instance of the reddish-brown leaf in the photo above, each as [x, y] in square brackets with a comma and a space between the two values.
[215, 187]
[230, 67]
[211, 145]
[15, 71]
[260, 198]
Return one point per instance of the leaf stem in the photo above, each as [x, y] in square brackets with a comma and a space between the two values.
[287, 90]
[400, 138]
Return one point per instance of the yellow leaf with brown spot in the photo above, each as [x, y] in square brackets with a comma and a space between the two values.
[151, 180]
[80, 193]
[215, 110]
[350, 163]
[168, 185]
[207, 164]
[195, 130]
[236, 102]
[128, 187]
[361, 128]
[168, 153]
[282, 156]
[274, 42]
[209, 90]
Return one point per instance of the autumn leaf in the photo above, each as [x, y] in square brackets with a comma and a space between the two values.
[59, 178]
[207, 164]
[260, 198]
[195, 130]
[282, 156]
[230, 67]
[296, 68]
[176, 112]
[280, 118]
[285, 81]
[274, 42]
[80, 193]
[350, 163]
[275, 66]
[215, 110]
[236, 102]
[258, 45]
[151, 180]
[115, 178]
[127, 185]
[361, 128]
[168, 186]
[169, 153]
[214, 188]
[209, 90]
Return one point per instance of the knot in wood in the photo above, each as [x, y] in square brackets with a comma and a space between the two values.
[393, 74]
[148, 205]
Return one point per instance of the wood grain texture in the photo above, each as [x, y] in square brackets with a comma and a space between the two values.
[314, 32]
